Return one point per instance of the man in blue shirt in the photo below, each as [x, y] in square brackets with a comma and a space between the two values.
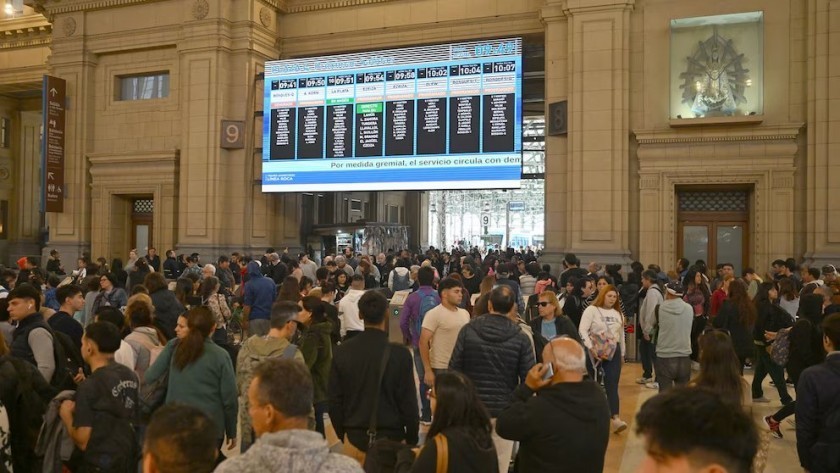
[259, 295]
[411, 321]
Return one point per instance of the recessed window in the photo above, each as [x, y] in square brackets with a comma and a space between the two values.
[5, 133]
[143, 86]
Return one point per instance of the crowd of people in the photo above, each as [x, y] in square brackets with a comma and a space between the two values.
[166, 364]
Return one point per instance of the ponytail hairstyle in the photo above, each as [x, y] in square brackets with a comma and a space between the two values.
[208, 287]
[201, 322]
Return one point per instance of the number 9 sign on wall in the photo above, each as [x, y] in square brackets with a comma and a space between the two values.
[232, 134]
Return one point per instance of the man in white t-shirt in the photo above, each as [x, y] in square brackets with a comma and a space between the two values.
[440, 329]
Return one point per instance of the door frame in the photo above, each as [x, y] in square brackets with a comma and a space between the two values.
[714, 220]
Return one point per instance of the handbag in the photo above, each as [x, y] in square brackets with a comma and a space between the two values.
[603, 343]
[442, 446]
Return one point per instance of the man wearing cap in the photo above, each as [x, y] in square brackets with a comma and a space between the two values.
[673, 339]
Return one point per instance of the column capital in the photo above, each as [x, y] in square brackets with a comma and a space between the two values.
[574, 7]
[553, 11]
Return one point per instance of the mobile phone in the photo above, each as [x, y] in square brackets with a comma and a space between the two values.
[550, 372]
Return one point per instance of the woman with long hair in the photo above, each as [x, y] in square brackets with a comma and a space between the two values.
[576, 302]
[481, 304]
[461, 420]
[218, 305]
[200, 374]
[737, 315]
[289, 290]
[699, 297]
[720, 295]
[720, 368]
[806, 349]
[770, 319]
[185, 293]
[604, 319]
[342, 285]
[788, 296]
[316, 347]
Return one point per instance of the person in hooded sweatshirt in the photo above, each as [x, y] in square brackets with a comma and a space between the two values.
[260, 292]
[280, 397]
[566, 426]
[494, 352]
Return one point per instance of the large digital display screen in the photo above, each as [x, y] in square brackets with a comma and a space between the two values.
[433, 117]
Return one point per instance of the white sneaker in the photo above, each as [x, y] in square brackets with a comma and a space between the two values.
[618, 425]
[643, 380]
[695, 366]
[652, 385]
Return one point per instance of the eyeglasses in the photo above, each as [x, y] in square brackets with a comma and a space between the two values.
[542, 304]
[430, 394]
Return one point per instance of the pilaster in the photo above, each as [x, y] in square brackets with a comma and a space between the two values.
[597, 166]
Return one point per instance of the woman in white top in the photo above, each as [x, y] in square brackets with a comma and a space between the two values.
[604, 316]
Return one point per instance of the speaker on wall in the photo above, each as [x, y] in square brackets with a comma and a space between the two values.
[557, 123]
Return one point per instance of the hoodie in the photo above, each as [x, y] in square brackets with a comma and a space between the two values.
[673, 338]
[496, 355]
[291, 451]
[259, 293]
[564, 428]
[255, 350]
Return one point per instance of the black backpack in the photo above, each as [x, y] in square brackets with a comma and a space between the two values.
[68, 361]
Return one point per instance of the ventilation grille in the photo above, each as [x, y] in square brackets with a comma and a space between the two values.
[144, 206]
[713, 201]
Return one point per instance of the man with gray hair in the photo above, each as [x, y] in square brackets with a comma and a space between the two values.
[275, 269]
[341, 265]
[208, 270]
[566, 426]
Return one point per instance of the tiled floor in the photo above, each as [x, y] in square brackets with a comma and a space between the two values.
[626, 450]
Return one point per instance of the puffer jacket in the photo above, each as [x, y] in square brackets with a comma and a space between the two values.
[292, 451]
[496, 355]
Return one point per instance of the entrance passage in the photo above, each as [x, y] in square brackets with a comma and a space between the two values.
[714, 226]
[142, 216]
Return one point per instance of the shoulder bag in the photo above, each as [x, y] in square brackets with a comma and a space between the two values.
[381, 453]
[604, 344]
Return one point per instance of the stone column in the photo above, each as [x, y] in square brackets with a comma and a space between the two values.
[70, 231]
[823, 169]
[597, 202]
[556, 155]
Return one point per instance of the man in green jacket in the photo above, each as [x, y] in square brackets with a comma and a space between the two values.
[257, 349]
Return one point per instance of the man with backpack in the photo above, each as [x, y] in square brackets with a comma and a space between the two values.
[257, 349]
[100, 419]
[417, 304]
[647, 322]
[400, 277]
[674, 318]
[818, 406]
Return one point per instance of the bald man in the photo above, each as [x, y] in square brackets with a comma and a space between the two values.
[566, 426]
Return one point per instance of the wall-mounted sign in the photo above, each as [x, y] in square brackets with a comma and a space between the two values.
[52, 151]
[233, 134]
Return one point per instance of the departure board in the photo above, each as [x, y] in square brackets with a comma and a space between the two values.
[433, 117]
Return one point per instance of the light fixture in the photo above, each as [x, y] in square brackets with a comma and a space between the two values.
[10, 9]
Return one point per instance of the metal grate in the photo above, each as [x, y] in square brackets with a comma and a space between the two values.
[144, 206]
[713, 201]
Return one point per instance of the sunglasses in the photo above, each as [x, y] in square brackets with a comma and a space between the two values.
[543, 304]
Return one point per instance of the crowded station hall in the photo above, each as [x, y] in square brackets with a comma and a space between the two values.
[419, 236]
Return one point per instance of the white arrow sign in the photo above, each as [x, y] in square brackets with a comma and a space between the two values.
[53, 91]
[50, 175]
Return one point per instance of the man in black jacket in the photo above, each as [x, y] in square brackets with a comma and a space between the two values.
[354, 382]
[496, 355]
[818, 407]
[565, 399]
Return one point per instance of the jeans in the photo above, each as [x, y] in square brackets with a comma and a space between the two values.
[425, 408]
[672, 372]
[320, 409]
[647, 352]
[763, 365]
[612, 374]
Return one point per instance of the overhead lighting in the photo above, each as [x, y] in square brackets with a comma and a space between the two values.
[10, 10]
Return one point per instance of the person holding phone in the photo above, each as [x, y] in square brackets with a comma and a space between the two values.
[563, 398]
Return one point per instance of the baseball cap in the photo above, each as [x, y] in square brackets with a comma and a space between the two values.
[829, 269]
[674, 288]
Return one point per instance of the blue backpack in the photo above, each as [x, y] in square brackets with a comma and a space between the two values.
[427, 302]
[401, 282]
